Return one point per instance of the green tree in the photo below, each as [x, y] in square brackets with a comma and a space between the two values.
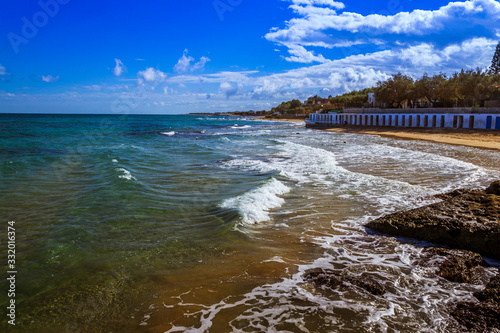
[495, 62]
[489, 87]
[396, 90]
[429, 87]
[295, 103]
[468, 86]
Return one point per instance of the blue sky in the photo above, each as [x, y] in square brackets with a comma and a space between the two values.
[75, 56]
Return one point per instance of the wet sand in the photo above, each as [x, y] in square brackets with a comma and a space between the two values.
[486, 139]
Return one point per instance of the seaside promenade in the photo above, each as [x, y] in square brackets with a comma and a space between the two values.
[457, 118]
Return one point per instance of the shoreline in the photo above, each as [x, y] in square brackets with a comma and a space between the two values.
[484, 139]
[274, 119]
[271, 119]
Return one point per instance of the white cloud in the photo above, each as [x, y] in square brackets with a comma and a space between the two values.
[50, 78]
[337, 76]
[320, 26]
[350, 73]
[93, 87]
[184, 63]
[152, 75]
[187, 63]
[229, 89]
[200, 65]
[421, 55]
[119, 67]
[415, 22]
[3, 71]
[219, 77]
[331, 3]
[332, 77]
[300, 54]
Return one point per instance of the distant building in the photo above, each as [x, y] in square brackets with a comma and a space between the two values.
[371, 99]
[316, 101]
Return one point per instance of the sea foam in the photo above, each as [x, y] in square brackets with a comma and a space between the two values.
[236, 126]
[254, 205]
[126, 174]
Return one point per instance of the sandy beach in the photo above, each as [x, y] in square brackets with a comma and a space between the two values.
[486, 139]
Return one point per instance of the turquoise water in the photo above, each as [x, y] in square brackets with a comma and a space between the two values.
[96, 196]
[119, 218]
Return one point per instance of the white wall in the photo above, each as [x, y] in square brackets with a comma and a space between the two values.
[466, 121]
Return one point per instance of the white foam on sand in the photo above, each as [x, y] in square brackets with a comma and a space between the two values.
[255, 205]
[306, 165]
[419, 303]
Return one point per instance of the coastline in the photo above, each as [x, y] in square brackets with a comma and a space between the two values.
[484, 139]
[274, 119]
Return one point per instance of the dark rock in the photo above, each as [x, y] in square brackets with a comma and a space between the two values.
[477, 317]
[454, 265]
[367, 283]
[494, 188]
[333, 280]
[322, 278]
[457, 269]
[464, 219]
[492, 291]
[482, 316]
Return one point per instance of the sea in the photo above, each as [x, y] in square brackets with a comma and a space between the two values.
[185, 223]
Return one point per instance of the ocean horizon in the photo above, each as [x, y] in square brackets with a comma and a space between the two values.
[189, 223]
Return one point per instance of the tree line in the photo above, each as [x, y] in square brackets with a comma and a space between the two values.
[466, 88]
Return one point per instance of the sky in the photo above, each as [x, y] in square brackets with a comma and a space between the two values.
[172, 57]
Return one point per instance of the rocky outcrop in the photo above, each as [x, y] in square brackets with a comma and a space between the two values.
[332, 280]
[456, 266]
[465, 219]
[484, 315]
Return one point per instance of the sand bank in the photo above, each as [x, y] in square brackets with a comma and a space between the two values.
[487, 139]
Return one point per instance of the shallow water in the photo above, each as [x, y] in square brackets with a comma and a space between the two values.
[186, 223]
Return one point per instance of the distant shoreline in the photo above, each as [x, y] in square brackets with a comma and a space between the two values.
[483, 139]
[275, 119]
